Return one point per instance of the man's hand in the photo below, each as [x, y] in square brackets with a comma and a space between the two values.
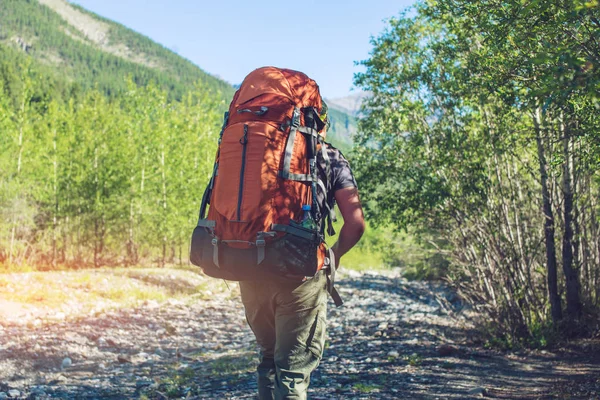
[354, 221]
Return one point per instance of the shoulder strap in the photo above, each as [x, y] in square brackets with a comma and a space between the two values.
[327, 188]
[211, 183]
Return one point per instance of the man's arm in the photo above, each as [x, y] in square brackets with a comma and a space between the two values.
[354, 221]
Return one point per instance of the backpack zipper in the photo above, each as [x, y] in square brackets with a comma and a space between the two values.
[243, 142]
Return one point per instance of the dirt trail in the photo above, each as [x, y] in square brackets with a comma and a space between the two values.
[392, 339]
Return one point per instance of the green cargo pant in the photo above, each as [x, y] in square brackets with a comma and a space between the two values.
[288, 320]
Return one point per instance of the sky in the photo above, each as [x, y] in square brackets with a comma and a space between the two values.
[231, 38]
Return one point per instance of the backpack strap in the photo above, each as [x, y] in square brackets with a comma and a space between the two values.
[211, 183]
[260, 245]
[311, 140]
[215, 243]
[294, 231]
[330, 273]
[326, 188]
[289, 149]
[330, 216]
[310, 132]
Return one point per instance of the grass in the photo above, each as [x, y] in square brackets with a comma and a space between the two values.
[368, 254]
[366, 388]
[381, 247]
[414, 360]
[85, 292]
[233, 364]
[183, 380]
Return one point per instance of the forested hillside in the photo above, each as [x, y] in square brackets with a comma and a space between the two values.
[483, 130]
[80, 50]
[93, 52]
[343, 128]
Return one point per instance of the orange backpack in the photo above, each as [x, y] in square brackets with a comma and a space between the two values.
[265, 172]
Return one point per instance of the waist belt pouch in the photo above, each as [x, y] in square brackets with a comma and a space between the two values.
[233, 264]
[295, 255]
[290, 257]
[201, 239]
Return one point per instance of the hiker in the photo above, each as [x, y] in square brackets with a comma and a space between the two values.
[272, 196]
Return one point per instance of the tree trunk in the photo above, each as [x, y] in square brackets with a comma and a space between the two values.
[131, 250]
[551, 268]
[21, 117]
[594, 245]
[571, 274]
[180, 254]
[164, 204]
[97, 199]
[55, 189]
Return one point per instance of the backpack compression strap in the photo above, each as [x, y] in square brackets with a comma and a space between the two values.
[289, 149]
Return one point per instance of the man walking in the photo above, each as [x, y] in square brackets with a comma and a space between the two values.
[274, 187]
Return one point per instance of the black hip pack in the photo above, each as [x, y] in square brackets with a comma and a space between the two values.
[292, 256]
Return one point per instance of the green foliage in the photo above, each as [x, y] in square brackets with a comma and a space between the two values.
[414, 360]
[543, 335]
[472, 113]
[102, 180]
[370, 252]
[365, 387]
[343, 128]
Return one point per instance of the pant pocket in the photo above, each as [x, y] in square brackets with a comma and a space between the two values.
[316, 338]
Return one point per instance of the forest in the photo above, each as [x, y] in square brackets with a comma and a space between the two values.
[480, 138]
[102, 181]
[482, 134]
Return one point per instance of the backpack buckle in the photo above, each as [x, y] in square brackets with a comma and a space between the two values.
[260, 245]
[215, 243]
[296, 118]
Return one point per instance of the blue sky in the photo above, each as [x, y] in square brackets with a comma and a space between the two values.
[229, 39]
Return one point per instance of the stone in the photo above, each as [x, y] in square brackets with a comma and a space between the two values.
[141, 383]
[161, 353]
[66, 363]
[123, 358]
[446, 350]
[38, 391]
[478, 391]
[14, 393]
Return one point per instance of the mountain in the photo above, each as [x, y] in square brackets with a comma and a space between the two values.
[84, 49]
[349, 104]
[73, 50]
[343, 127]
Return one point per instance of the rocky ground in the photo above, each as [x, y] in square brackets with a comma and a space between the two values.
[393, 339]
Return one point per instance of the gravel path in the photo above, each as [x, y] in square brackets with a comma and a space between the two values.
[392, 339]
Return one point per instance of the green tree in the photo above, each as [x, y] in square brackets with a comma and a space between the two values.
[461, 137]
